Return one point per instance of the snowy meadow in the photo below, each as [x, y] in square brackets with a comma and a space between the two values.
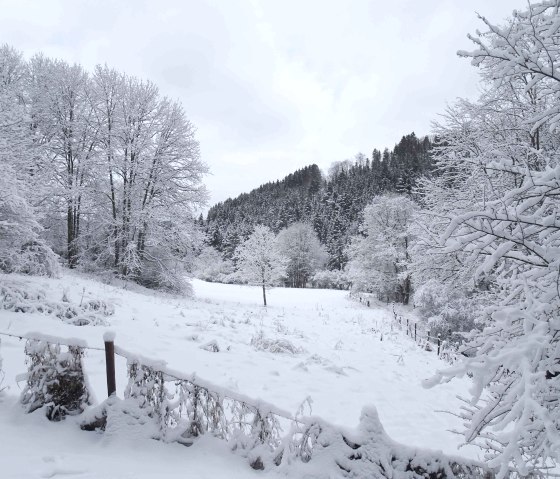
[315, 349]
[294, 352]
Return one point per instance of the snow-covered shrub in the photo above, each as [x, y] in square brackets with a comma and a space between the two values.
[181, 410]
[281, 346]
[211, 346]
[146, 385]
[447, 310]
[256, 435]
[209, 265]
[55, 380]
[165, 273]
[335, 279]
[20, 298]
[21, 248]
[33, 257]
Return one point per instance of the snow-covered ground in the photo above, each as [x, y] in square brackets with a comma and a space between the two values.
[347, 358]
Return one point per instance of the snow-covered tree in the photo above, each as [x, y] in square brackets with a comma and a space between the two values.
[154, 179]
[448, 309]
[115, 168]
[495, 208]
[21, 248]
[305, 253]
[380, 254]
[211, 266]
[65, 126]
[259, 261]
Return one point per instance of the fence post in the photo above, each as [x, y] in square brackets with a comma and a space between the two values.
[109, 339]
[407, 328]
[438, 343]
[414, 332]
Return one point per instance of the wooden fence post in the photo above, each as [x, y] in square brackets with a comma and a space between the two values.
[109, 338]
[438, 343]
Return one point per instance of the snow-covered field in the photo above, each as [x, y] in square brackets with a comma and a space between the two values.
[345, 358]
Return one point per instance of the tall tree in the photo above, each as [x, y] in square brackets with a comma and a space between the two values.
[63, 118]
[21, 247]
[305, 254]
[380, 254]
[497, 220]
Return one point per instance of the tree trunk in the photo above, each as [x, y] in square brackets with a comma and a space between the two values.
[71, 240]
[114, 213]
[406, 290]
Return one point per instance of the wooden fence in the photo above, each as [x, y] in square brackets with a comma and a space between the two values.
[419, 333]
[180, 407]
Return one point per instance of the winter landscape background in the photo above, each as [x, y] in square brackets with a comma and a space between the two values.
[395, 314]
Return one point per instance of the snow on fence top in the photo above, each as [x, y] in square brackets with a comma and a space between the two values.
[161, 366]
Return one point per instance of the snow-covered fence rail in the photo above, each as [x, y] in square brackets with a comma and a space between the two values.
[444, 348]
[418, 332]
[179, 407]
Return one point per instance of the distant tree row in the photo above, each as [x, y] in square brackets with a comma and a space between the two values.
[292, 257]
[333, 205]
[102, 163]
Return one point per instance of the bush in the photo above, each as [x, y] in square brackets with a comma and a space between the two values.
[165, 275]
[446, 310]
[19, 298]
[33, 257]
[55, 380]
[210, 266]
[281, 346]
[335, 279]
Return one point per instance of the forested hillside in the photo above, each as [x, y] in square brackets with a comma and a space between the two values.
[332, 204]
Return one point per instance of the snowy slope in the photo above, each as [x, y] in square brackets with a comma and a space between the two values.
[341, 363]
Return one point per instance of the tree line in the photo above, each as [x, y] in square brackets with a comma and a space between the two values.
[100, 168]
[332, 204]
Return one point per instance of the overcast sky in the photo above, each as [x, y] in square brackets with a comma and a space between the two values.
[273, 85]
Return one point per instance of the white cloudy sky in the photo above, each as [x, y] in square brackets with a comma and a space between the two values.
[273, 85]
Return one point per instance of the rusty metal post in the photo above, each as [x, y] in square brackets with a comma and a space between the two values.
[109, 339]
